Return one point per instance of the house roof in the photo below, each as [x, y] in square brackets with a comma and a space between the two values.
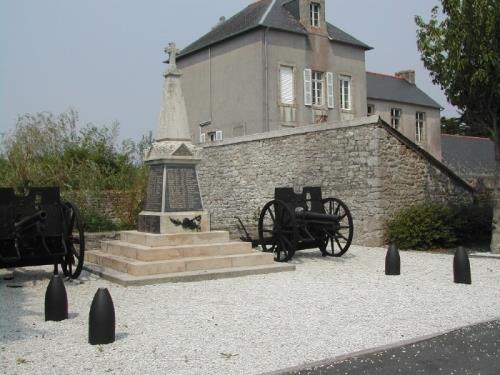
[468, 156]
[394, 89]
[264, 13]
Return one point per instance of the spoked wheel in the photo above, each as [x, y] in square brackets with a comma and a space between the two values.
[75, 241]
[278, 230]
[337, 238]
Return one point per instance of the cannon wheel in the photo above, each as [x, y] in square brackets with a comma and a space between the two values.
[278, 230]
[75, 242]
[340, 239]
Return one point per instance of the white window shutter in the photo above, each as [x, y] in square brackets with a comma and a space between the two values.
[218, 135]
[329, 89]
[286, 81]
[307, 87]
[202, 138]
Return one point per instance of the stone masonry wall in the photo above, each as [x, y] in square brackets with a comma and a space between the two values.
[360, 162]
[118, 206]
[409, 178]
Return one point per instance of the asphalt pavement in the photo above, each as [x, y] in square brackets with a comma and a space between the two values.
[470, 350]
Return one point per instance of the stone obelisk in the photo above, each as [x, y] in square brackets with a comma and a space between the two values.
[173, 201]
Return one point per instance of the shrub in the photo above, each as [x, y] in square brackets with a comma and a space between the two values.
[422, 226]
[94, 221]
[437, 225]
[474, 223]
[48, 150]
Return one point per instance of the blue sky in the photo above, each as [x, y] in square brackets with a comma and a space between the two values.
[103, 57]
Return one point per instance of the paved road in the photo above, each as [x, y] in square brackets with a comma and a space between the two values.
[472, 350]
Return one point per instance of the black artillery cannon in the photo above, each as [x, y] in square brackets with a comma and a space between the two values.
[39, 229]
[293, 222]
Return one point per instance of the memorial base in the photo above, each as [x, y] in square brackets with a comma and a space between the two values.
[174, 222]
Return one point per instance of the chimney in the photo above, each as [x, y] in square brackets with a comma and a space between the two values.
[222, 19]
[408, 75]
[310, 13]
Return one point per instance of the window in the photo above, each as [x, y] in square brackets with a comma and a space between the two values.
[215, 136]
[202, 138]
[317, 88]
[419, 126]
[315, 12]
[314, 88]
[345, 93]
[395, 117]
[371, 109]
[287, 96]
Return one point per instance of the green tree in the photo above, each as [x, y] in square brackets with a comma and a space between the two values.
[452, 125]
[460, 46]
[45, 149]
[455, 125]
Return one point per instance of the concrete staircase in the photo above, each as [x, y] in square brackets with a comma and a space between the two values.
[142, 258]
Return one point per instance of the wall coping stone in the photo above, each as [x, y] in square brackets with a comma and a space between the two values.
[368, 120]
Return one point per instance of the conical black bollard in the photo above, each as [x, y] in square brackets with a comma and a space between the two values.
[102, 319]
[56, 300]
[461, 267]
[392, 261]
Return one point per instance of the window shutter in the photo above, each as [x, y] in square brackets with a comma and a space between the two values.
[218, 135]
[329, 89]
[286, 80]
[202, 138]
[307, 87]
[349, 98]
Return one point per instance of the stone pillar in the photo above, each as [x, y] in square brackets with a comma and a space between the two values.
[173, 200]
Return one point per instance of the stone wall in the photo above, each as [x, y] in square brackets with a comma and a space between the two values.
[372, 168]
[121, 207]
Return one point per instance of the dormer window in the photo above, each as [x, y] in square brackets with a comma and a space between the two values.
[315, 12]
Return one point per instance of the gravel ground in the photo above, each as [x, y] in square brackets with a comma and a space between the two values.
[246, 325]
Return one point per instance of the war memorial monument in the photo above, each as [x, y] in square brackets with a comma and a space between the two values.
[174, 242]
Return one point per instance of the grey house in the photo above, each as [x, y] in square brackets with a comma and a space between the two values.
[275, 64]
[399, 102]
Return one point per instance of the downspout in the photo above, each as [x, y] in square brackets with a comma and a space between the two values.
[210, 82]
[266, 84]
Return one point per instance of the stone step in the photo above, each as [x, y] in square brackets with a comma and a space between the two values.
[130, 280]
[140, 268]
[158, 240]
[147, 253]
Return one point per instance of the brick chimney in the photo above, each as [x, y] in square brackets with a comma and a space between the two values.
[408, 75]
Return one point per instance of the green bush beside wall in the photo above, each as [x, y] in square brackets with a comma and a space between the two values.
[437, 225]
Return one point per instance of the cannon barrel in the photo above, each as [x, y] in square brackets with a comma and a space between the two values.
[316, 216]
[27, 222]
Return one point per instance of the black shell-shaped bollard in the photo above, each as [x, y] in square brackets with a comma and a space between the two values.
[392, 261]
[56, 300]
[102, 319]
[461, 267]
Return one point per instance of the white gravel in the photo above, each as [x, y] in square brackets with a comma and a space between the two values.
[246, 325]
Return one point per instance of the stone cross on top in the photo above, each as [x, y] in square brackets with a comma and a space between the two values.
[172, 52]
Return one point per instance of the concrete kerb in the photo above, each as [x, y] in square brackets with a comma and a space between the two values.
[377, 349]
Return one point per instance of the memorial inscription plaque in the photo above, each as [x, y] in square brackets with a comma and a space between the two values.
[154, 191]
[181, 191]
